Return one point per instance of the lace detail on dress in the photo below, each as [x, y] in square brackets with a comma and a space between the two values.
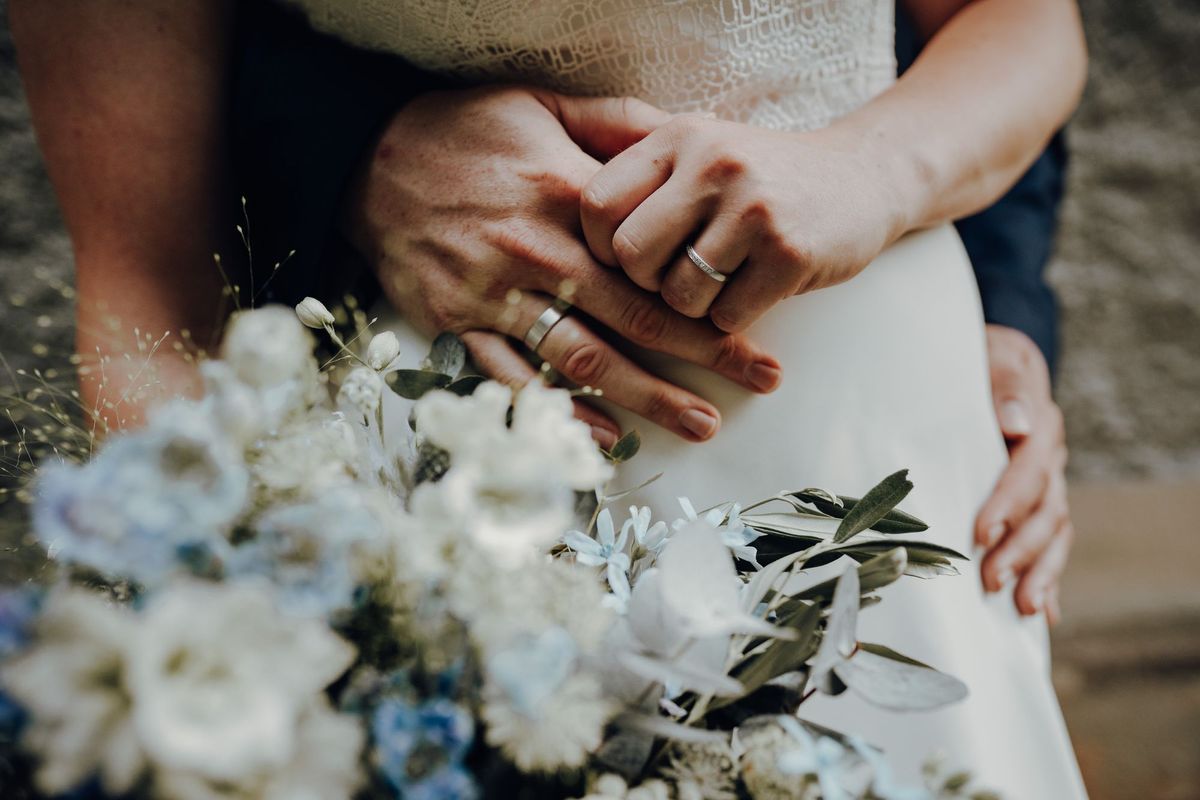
[785, 64]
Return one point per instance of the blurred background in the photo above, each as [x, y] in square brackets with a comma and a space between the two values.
[1127, 655]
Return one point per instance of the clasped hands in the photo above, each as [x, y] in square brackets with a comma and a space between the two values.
[477, 208]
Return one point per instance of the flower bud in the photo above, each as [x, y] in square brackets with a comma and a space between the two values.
[313, 313]
[383, 350]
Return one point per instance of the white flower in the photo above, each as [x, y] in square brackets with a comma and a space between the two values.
[72, 684]
[383, 350]
[566, 727]
[607, 550]
[324, 766]
[220, 680]
[308, 456]
[544, 419]
[613, 787]
[360, 391]
[268, 347]
[313, 313]
[466, 426]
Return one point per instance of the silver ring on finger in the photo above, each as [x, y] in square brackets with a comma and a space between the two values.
[545, 322]
[705, 267]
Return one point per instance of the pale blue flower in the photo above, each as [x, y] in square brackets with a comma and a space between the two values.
[420, 748]
[883, 784]
[179, 483]
[651, 537]
[606, 549]
[823, 758]
[306, 551]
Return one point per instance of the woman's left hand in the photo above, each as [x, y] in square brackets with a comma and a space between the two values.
[779, 213]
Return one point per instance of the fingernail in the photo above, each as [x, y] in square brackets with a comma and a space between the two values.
[763, 376]
[604, 437]
[699, 423]
[1014, 418]
[994, 533]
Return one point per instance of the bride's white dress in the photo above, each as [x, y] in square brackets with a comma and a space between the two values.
[883, 372]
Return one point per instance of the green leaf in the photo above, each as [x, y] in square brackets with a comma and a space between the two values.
[956, 782]
[783, 656]
[874, 505]
[895, 521]
[466, 386]
[873, 574]
[887, 652]
[415, 383]
[626, 447]
[447, 356]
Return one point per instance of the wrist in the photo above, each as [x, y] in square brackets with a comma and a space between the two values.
[904, 182]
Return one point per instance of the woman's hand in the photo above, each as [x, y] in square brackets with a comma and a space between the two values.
[468, 211]
[778, 213]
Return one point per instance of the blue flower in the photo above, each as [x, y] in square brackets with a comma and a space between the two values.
[420, 748]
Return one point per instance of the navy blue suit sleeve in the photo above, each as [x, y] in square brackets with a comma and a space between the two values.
[305, 110]
[1010, 243]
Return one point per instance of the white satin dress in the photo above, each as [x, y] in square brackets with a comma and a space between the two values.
[883, 372]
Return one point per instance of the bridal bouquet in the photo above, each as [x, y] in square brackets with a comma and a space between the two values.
[366, 581]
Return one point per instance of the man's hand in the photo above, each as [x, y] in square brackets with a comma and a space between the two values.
[1026, 525]
[468, 209]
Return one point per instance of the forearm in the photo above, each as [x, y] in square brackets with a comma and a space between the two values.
[125, 98]
[989, 90]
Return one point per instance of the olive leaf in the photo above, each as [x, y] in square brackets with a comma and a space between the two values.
[412, 384]
[448, 355]
[874, 505]
[874, 573]
[784, 655]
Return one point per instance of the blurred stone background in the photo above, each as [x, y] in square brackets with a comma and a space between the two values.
[1128, 273]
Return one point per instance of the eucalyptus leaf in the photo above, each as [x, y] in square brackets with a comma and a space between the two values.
[874, 505]
[896, 685]
[466, 385]
[626, 447]
[412, 384]
[448, 355]
[839, 640]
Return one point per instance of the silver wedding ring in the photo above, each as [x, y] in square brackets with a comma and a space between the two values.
[544, 323]
[705, 267]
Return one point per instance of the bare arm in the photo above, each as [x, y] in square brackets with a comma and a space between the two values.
[126, 98]
[995, 82]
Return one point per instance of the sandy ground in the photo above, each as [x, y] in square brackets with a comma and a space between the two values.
[1128, 274]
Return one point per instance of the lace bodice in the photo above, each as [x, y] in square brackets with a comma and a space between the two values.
[785, 64]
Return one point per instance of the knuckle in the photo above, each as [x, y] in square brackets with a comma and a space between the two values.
[728, 320]
[724, 167]
[726, 354]
[679, 296]
[595, 201]
[627, 249]
[645, 322]
[684, 126]
[585, 363]
[658, 405]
